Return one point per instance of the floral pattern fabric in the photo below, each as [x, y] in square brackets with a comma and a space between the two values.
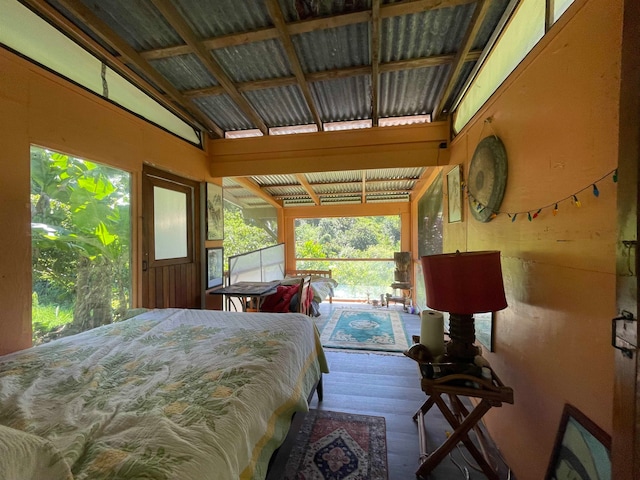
[169, 394]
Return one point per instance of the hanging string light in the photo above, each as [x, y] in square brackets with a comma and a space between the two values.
[479, 206]
[576, 202]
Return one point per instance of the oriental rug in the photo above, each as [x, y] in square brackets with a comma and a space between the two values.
[378, 330]
[339, 446]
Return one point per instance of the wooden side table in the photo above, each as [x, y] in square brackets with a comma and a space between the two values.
[492, 393]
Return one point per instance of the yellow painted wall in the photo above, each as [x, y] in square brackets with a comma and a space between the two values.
[39, 108]
[558, 118]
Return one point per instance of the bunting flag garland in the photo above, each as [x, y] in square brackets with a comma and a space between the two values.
[575, 200]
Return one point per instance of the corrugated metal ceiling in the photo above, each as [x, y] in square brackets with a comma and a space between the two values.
[226, 67]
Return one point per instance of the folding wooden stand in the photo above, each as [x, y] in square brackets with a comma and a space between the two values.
[491, 394]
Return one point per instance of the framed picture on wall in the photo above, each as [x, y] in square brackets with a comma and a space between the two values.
[215, 213]
[454, 194]
[215, 266]
[581, 450]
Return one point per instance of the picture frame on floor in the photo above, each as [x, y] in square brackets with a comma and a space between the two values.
[582, 449]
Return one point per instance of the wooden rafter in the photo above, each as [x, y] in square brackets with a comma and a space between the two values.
[359, 194]
[375, 61]
[308, 188]
[394, 66]
[305, 26]
[479, 14]
[171, 14]
[278, 20]
[426, 179]
[257, 190]
[356, 184]
[78, 9]
[417, 6]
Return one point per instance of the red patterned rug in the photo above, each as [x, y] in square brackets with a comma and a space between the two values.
[339, 446]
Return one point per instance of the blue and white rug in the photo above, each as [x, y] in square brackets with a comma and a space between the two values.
[380, 330]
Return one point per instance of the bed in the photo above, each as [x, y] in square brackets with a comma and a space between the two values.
[322, 286]
[168, 394]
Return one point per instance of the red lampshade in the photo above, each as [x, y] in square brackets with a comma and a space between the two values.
[464, 283]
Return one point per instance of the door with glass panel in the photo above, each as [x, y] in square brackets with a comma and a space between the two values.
[170, 266]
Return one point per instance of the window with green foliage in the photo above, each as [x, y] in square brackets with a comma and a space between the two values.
[248, 229]
[81, 235]
[358, 250]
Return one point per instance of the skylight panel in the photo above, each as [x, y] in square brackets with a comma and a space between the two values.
[25, 32]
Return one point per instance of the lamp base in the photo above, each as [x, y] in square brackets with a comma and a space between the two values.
[463, 335]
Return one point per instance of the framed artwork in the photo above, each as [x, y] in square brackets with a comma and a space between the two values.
[215, 213]
[484, 329]
[214, 266]
[581, 450]
[454, 194]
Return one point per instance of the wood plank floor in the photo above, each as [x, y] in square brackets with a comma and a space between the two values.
[388, 385]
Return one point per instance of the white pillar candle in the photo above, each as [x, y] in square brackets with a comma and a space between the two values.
[432, 331]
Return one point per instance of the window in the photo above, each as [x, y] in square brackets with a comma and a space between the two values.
[25, 32]
[247, 228]
[358, 250]
[81, 237]
[524, 30]
[429, 232]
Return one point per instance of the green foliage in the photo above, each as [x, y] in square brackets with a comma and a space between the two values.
[351, 238]
[240, 236]
[80, 224]
[46, 318]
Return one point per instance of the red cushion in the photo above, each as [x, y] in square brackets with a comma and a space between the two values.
[279, 301]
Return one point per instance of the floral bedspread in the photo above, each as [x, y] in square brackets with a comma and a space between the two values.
[169, 394]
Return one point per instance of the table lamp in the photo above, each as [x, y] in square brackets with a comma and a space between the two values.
[463, 284]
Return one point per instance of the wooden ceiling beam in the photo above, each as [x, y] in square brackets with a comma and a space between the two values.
[418, 6]
[175, 19]
[308, 188]
[281, 25]
[305, 26]
[359, 193]
[354, 183]
[257, 190]
[479, 14]
[423, 62]
[78, 9]
[426, 179]
[215, 43]
[375, 61]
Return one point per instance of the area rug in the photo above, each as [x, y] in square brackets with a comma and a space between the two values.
[365, 330]
[339, 446]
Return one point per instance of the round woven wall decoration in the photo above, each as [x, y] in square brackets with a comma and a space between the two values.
[487, 178]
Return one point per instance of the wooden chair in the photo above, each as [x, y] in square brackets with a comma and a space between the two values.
[304, 295]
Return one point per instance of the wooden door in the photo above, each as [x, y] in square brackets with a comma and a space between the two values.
[625, 448]
[171, 269]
